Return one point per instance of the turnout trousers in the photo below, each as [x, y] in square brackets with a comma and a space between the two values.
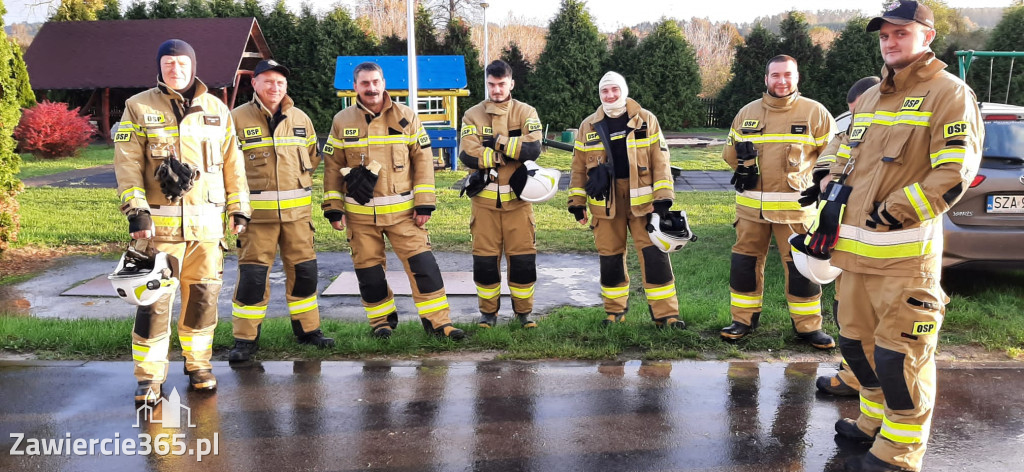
[746, 275]
[512, 231]
[888, 332]
[412, 246]
[201, 266]
[259, 245]
[655, 266]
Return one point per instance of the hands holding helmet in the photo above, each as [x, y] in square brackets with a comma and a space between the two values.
[824, 232]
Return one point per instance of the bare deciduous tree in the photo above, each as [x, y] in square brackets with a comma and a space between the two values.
[382, 17]
[714, 45]
[529, 38]
[447, 10]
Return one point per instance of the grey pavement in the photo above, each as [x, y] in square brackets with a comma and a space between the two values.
[562, 279]
[431, 415]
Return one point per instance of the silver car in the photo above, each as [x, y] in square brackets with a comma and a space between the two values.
[985, 229]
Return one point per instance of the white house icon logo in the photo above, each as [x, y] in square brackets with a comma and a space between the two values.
[170, 415]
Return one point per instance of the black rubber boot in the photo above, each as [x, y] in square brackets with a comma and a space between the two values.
[445, 331]
[614, 318]
[818, 339]
[525, 321]
[847, 428]
[202, 379]
[487, 320]
[869, 463]
[670, 323]
[147, 392]
[737, 330]
[833, 385]
[243, 350]
[316, 338]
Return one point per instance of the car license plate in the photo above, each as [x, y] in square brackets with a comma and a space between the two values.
[1005, 204]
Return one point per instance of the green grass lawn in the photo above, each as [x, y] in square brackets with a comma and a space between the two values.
[95, 155]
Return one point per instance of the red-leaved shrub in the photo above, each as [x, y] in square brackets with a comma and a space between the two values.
[50, 130]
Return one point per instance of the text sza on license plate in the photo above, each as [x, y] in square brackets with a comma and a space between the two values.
[1005, 204]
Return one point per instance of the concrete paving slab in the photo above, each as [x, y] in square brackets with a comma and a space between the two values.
[562, 279]
[455, 283]
[489, 416]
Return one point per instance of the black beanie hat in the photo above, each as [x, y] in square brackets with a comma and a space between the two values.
[177, 47]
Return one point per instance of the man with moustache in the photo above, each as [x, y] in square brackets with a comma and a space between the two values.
[914, 148]
[179, 172]
[773, 144]
[279, 150]
[379, 181]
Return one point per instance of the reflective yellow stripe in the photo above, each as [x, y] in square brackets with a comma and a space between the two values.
[155, 353]
[894, 251]
[901, 432]
[379, 210]
[302, 306]
[663, 184]
[643, 142]
[913, 118]
[332, 195]
[488, 293]
[825, 159]
[919, 201]
[168, 132]
[487, 160]
[594, 147]
[805, 308]
[167, 221]
[249, 312]
[265, 142]
[661, 293]
[432, 305]
[378, 311]
[614, 292]
[510, 148]
[577, 192]
[642, 199]
[945, 156]
[237, 198]
[134, 192]
[778, 138]
[596, 202]
[844, 151]
[281, 204]
[777, 201]
[822, 140]
[423, 188]
[871, 409]
[745, 301]
[196, 343]
[521, 292]
[291, 141]
[492, 195]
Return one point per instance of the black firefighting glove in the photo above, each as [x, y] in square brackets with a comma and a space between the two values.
[489, 142]
[824, 232]
[745, 177]
[240, 219]
[334, 215]
[424, 210]
[517, 181]
[811, 194]
[475, 183]
[140, 221]
[599, 182]
[881, 217]
[661, 207]
[360, 182]
[580, 212]
[176, 178]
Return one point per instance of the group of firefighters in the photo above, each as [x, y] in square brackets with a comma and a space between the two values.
[865, 197]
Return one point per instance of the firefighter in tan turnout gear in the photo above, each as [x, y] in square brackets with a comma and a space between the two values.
[913, 149]
[620, 170]
[773, 144]
[179, 172]
[498, 136]
[279, 150]
[379, 181]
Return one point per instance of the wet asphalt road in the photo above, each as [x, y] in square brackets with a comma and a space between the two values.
[497, 416]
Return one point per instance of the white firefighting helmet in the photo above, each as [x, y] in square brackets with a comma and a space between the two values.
[541, 183]
[142, 278]
[671, 233]
[819, 271]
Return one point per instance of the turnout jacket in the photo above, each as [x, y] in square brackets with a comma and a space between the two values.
[915, 145]
[279, 163]
[788, 134]
[395, 139]
[516, 131]
[158, 124]
[650, 176]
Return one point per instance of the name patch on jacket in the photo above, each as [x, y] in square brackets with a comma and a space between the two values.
[153, 118]
[591, 136]
[857, 133]
[350, 133]
[956, 128]
[487, 131]
[925, 327]
[532, 125]
[300, 132]
[798, 129]
[253, 132]
[750, 124]
[912, 103]
[211, 120]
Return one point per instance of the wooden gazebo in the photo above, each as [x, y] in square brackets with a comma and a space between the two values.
[102, 56]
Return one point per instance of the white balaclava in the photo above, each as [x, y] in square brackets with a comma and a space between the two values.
[619, 107]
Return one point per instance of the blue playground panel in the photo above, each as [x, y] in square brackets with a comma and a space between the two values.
[433, 72]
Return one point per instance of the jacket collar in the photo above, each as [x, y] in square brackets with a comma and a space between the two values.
[632, 110]
[495, 108]
[924, 68]
[387, 105]
[286, 104]
[173, 94]
[773, 103]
